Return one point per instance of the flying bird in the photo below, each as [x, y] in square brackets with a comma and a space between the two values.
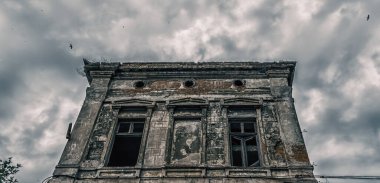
[367, 17]
[71, 46]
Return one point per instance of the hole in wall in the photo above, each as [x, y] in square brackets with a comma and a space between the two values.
[189, 83]
[238, 83]
[139, 84]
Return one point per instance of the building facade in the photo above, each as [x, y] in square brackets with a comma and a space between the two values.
[187, 122]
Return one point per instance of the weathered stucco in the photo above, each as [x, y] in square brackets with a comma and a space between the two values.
[186, 134]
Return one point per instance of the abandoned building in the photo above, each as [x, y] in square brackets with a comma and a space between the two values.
[186, 122]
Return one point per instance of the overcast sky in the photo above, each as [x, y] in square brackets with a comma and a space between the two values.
[336, 86]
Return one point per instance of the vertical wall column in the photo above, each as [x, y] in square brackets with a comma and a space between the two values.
[75, 147]
[169, 134]
[156, 141]
[226, 132]
[100, 137]
[290, 129]
[140, 159]
[215, 136]
[292, 136]
[272, 143]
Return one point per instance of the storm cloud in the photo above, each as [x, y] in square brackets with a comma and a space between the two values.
[336, 86]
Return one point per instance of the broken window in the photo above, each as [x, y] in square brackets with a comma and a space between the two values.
[243, 137]
[128, 135]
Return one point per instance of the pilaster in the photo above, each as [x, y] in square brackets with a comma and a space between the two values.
[74, 150]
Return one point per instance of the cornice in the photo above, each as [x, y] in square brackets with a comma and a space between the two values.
[206, 70]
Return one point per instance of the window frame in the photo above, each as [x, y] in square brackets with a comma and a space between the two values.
[244, 137]
[144, 118]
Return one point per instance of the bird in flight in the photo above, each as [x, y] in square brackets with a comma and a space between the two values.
[71, 46]
[367, 17]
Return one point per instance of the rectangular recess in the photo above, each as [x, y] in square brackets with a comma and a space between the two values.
[280, 172]
[187, 139]
[215, 173]
[184, 173]
[248, 173]
[117, 173]
[151, 173]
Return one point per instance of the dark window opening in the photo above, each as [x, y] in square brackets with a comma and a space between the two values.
[252, 153]
[251, 144]
[243, 139]
[249, 127]
[236, 152]
[235, 127]
[126, 145]
[130, 127]
[243, 125]
[189, 83]
[244, 151]
[125, 151]
[124, 127]
[252, 158]
[138, 127]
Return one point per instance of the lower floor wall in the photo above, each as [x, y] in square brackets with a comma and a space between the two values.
[184, 175]
[185, 180]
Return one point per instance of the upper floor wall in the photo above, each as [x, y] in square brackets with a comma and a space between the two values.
[215, 79]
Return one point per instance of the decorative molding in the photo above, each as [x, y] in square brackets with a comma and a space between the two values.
[132, 102]
[242, 101]
[188, 102]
